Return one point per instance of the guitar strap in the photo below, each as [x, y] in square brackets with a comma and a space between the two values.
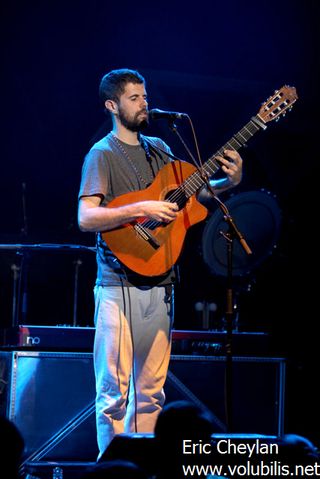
[157, 148]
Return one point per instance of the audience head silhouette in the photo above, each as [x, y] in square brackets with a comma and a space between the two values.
[183, 420]
[12, 447]
[116, 469]
[297, 449]
[179, 421]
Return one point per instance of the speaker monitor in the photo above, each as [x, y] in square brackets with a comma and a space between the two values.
[50, 397]
[256, 394]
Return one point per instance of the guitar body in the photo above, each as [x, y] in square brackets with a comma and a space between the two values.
[151, 258]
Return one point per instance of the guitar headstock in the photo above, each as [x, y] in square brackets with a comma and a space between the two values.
[278, 104]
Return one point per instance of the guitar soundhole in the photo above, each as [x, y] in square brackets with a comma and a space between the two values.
[177, 196]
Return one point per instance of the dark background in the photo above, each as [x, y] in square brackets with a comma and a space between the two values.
[217, 61]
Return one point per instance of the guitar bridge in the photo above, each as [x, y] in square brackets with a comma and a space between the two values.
[147, 236]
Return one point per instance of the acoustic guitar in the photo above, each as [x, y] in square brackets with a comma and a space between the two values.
[150, 247]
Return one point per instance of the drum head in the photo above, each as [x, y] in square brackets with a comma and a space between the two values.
[257, 216]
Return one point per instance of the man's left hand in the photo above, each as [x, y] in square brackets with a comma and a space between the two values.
[231, 164]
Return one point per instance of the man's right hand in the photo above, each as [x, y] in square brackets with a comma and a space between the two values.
[163, 211]
[94, 217]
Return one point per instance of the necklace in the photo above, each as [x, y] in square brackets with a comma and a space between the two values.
[131, 162]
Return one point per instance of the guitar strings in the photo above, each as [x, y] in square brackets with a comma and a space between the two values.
[195, 181]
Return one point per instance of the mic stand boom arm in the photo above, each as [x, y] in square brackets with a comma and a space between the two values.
[174, 128]
[233, 228]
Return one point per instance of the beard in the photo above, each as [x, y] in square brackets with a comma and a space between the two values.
[133, 124]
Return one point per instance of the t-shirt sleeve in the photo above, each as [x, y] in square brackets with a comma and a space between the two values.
[94, 176]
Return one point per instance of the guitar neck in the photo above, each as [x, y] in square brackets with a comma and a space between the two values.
[195, 181]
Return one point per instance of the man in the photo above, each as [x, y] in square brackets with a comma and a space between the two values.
[133, 313]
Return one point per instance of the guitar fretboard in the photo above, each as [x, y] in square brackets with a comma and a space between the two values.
[195, 181]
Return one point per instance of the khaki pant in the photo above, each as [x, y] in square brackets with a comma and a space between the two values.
[131, 358]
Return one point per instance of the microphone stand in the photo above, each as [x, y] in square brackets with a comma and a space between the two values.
[232, 233]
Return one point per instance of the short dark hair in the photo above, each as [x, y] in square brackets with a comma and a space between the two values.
[113, 84]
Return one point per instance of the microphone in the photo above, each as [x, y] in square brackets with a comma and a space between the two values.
[157, 114]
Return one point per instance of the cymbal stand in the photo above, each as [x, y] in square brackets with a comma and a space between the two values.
[77, 265]
[15, 295]
[20, 294]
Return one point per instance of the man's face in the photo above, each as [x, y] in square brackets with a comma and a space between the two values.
[132, 107]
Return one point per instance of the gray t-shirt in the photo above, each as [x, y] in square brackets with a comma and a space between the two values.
[112, 168]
